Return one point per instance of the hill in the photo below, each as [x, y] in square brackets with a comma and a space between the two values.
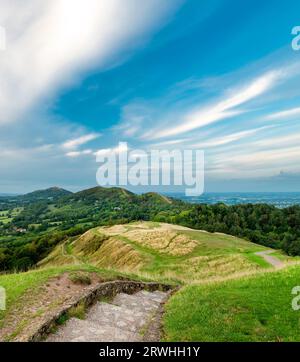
[114, 196]
[161, 251]
[52, 193]
[100, 194]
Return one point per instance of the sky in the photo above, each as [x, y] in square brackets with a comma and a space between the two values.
[79, 76]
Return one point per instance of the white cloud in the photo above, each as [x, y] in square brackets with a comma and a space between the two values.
[277, 142]
[49, 43]
[278, 157]
[120, 148]
[223, 109]
[74, 143]
[171, 142]
[220, 141]
[79, 153]
[290, 113]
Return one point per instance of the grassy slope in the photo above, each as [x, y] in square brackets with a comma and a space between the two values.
[249, 309]
[160, 252]
[16, 285]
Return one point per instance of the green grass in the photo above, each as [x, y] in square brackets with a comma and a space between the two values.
[4, 215]
[77, 312]
[16, 285]
[80, 277]
[256, 308]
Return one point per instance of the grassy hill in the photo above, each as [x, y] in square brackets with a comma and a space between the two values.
[161, 251]
[225, 291]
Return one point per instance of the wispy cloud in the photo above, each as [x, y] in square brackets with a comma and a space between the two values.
[79, 153]
[289, 113]
[225, 108]
[50, 43]
[281, 141]
[76, 142]
[220, 141]
[282, 157]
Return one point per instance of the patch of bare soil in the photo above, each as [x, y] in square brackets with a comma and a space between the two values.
[113, 230]
[37, 306]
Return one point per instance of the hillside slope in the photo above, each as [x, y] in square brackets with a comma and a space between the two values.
[162, 252]
[256, 308]
[35, 296]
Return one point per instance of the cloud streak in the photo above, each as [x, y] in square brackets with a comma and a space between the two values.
[204, 116]
[289, 113]
[50, 43]
[74, 143]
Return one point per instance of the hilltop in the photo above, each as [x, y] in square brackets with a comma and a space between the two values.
[161, 251]
[51, 194]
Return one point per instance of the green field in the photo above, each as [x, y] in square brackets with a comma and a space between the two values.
[6, 216]
[248, 309]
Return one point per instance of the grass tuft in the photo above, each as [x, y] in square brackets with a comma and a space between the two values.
[79, 277]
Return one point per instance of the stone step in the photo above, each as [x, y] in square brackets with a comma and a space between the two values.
[158, 296]
[120, 316]
[122, 320]
[77, 330]
[136, 303]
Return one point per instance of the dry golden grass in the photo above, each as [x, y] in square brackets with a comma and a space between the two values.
[88, 243]
[117, 254]
[112, 230]
[165, 241]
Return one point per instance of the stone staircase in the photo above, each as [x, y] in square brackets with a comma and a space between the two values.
[122, 320]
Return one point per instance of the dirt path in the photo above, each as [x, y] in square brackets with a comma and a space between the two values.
[66, 253]
[275, 262]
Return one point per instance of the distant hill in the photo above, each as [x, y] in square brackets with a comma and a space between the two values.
[3, 194]
[52, 193]
[114, 196]
[101, 193]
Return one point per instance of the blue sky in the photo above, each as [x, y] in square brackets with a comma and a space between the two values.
[79, 76]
